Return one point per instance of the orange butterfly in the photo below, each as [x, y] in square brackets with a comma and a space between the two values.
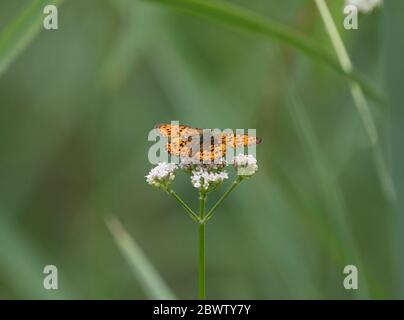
[185, 141]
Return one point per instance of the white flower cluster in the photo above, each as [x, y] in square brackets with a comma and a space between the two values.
[245, 165]
[364, 6]
[161, 175]
[204, 179]
[203, 176]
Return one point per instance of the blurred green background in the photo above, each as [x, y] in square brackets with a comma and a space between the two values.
[77, 104]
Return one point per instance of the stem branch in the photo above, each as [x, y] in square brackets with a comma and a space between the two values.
[188, 210]
[222, 198]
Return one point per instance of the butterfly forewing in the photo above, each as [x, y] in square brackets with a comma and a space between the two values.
[174, 130]
[240, 140]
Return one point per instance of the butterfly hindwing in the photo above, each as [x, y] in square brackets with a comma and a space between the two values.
[240, 140]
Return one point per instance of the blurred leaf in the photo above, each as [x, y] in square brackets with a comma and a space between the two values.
[244, 19]
[141, 267]
[21, 31]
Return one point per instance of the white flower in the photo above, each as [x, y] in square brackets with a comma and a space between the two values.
[161, 175]
[202, 178]
[364, 6]
[245, 165]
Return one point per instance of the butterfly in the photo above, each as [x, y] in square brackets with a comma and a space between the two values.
[203, 145]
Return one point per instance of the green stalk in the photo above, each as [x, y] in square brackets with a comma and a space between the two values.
[222, 198]
[202, 199]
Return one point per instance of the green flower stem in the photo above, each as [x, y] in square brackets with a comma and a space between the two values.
[188, 210]
[202, 198]
[222, 198]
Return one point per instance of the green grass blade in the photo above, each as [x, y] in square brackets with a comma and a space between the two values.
[239, 17]
[143, 270]
[360, 101]
[21, 31]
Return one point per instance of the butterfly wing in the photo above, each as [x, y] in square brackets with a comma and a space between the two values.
[217, 148]
[179, 137]
[175, 130]
[240, 140]
[179, 147]
[196, 148]
[211, 152]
